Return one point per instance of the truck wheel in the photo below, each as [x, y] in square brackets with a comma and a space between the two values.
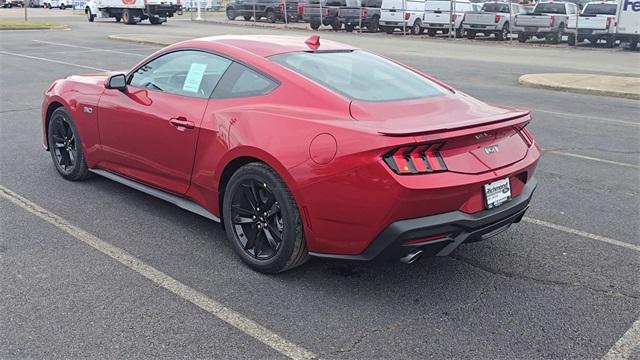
[504, 33]
[522, 38]
[315, 24]
[571, 40]
[554, 37]
[633, 44]
[471, 34]
[336, 25]
[417, 29]
[349, 27]
[127, 17]
[90, 16]
[118, 18]
[373, 26]
[247, 17]
[231, 14]
[610, 41]
[271, 16]
[155, 20]
[387, 29]
[431, 32]
[62, 7]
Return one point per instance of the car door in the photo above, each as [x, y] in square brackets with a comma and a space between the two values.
[149, 131]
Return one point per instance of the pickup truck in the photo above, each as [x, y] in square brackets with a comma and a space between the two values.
[597, 21]
[493, 18]
[360, 13]
[548, 21]
[323, 12]
[272, 10]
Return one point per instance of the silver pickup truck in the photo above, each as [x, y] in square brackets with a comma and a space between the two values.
[597, 21]
[493, 18]
[548, 21]
[361, 14]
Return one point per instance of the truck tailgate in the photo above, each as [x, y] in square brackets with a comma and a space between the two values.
[533, 20]
[479, 18]
[592, 22]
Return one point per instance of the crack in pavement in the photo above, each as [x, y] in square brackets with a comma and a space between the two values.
[509, 275]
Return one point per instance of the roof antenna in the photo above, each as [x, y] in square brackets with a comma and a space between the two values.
[313, 42]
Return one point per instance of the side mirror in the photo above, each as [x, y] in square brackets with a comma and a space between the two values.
[118, 82]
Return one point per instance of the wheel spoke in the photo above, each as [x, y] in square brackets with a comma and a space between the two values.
[251, 236]
[65, 160]
[273, 210]
[57, 138]
[257, 246]
[271, 238]
[250, 196]
[240, 209]
[72, 158]
[242, 220]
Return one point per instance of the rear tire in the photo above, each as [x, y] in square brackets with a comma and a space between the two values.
[65, 146]
[349, 27]
[387, 29]
[247, 17]
[90, 16]
[504, 33]
[417, 29]
[314, 24]
[269, 240]
[127, 17]
[431, 32]
[373, 26]
[271, 16]
[471, 34]
[554, 37]
[336, 25]
[231, 14]
[522, 38]
[155, 21]
[610, 41]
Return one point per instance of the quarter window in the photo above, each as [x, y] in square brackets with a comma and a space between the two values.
[187, 73]
[240, 81]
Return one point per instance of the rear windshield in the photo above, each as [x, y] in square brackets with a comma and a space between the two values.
[494, 7]
[438, 5]
[550, 8]
[360, 75]
[600, 9]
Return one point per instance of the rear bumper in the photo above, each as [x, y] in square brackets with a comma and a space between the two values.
[480, 28]
[460, 227]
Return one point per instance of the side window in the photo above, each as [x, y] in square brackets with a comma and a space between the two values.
[240, 81]
[185, 72]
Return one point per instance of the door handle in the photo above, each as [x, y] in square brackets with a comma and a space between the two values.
[182, 123]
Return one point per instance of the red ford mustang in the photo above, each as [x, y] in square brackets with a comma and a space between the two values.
[301, 146]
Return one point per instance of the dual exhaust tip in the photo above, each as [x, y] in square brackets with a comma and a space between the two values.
[412, 256]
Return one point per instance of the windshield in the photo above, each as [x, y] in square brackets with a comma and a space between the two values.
[360, 75]
[600, 9]
[549, 8]
[494, 7]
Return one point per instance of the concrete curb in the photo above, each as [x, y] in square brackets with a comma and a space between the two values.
[590, 84]
[162, 40]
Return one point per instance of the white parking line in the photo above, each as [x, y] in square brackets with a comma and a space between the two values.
[582, 116]
[582, 233]
[181, 290]
[88, 48]
[628, 343]
[563, 153]
[52, 61]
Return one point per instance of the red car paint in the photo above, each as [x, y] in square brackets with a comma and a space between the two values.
[327, 148]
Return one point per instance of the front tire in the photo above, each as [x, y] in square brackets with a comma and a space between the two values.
[231, 14]
[65, 146]
[417, 29]
[314, 24]
[90, 16]
[262, 221]
[127, 17]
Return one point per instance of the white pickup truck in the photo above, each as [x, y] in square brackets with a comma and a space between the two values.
[597, 21]
[628, 24]
[132, 11]
[493, 18]
[60, 4]
[548, 21]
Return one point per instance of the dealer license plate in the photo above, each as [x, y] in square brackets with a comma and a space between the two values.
[497, 193]
[530, 29]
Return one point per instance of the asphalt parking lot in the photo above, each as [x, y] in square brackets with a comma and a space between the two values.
[562, 284]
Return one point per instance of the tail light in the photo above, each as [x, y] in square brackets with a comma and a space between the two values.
[415, 159]
[609, 22]
[338, 12]
[552, 20]
[364, 12]
[407, 15]
[300, 9]
[526, 136]
[326, 11]
[496, 19]
[281, 8]
[454, 17]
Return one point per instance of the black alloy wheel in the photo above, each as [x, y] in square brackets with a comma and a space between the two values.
[65, 148]
[262, 220]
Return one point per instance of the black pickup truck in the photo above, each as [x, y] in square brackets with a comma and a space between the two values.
[323, 12]
[272, 10]
[364, 14]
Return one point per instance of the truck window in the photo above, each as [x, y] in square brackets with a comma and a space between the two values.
[600, 9]
[495, 7]
[549, 8]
